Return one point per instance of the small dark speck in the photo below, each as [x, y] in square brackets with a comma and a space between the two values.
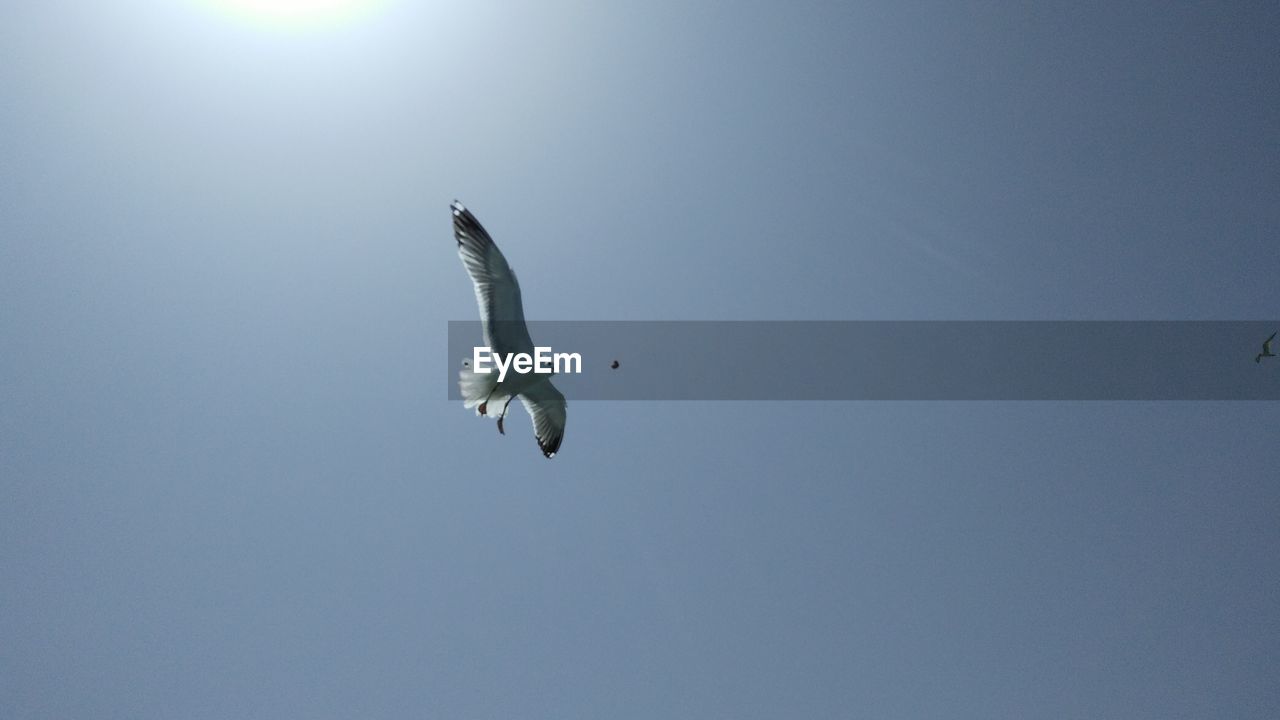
[614, 364]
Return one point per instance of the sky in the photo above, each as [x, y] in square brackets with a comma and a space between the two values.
[231, 484]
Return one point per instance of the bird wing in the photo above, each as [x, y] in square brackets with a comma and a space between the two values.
[1266, 346]
[497, 290]
[547, 407]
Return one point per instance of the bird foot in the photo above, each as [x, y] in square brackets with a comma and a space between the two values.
[484, 408]
[500, 430]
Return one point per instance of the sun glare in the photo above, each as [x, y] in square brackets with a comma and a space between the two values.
[296, 13]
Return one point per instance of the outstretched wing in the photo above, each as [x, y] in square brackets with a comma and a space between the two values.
[547, 407]
[497, 291]
[1266, 346]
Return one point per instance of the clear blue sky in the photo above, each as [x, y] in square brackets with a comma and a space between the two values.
[231, 487]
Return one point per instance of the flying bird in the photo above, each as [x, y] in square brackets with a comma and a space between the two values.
[1266, 349]
[614, 364]
[505, 332]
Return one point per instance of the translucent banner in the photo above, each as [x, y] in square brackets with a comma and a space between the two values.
[893, 360]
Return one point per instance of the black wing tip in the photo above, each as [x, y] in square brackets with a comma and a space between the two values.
[550, 447]
[466, 227]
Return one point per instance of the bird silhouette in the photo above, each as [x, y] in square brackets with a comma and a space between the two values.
[1266, 349]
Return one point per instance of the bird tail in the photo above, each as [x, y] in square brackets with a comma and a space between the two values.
[475, 387]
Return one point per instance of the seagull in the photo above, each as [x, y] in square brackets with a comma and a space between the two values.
[614, 364]
[505, 332]
[1266, 349]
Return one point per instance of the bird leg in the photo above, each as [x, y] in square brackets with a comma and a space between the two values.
[504, 414]
[484, 406]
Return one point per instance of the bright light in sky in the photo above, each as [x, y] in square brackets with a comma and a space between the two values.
[296, 13]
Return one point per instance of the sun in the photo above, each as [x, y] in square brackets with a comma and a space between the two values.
[296, 13]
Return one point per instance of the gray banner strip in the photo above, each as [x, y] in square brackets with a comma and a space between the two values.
[902, 360]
